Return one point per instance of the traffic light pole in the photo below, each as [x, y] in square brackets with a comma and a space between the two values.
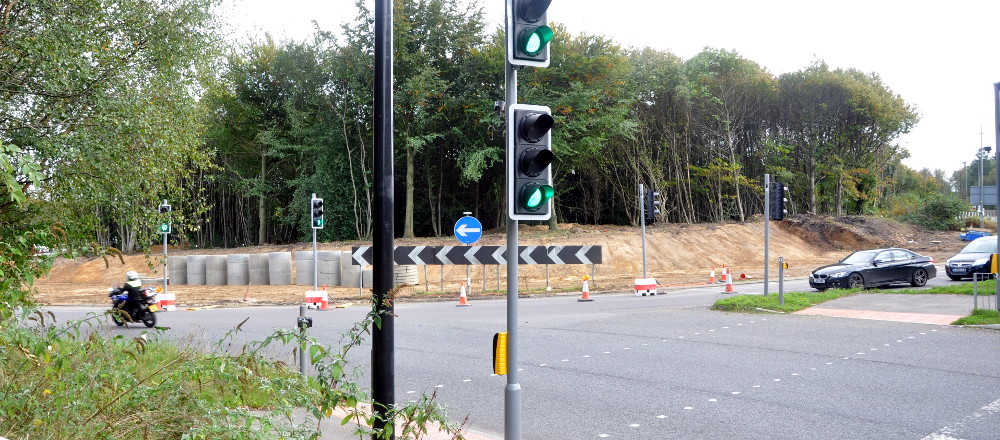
[767, 226]
[315, 262]
[512, 392]
[642, 220]
[996, 117]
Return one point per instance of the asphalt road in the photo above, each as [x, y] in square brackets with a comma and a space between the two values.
[631, 367]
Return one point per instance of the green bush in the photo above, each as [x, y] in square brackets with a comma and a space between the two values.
[79, 382]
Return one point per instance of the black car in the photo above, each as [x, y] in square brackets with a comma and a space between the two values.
[875, 267]
[974, 258]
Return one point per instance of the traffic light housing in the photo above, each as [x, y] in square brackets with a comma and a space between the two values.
[317, 213]
[529, 156]
[165, 227]
[777, 201]
[652, 206]
[528, 33]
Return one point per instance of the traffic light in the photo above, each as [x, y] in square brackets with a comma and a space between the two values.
[777, 201]
[164, 208]
[528, 33]
[317, 213]
[529, 154]
[652, 206]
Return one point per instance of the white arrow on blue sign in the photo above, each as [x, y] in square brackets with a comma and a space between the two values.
[468, 230]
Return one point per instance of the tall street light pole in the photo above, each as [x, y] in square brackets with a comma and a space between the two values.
[981, 192]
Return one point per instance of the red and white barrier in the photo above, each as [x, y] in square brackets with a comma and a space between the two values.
[317, 299]
[166, 301]
[645, 286]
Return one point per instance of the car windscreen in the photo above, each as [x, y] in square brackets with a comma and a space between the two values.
[981, 246]
[859, 257]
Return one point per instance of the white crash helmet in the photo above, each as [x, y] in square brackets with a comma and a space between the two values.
[131, 275]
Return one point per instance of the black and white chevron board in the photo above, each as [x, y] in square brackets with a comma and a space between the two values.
[476, 255]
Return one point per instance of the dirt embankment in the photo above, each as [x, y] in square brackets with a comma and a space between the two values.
[677, 255]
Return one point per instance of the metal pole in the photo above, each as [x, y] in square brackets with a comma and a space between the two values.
[165, 289]
[767, 228]
[996, 128]
[383, 337]
[512, 392]
[316, 259]
[642, 221]
[781, 280]
[302, 342]
[982, 193]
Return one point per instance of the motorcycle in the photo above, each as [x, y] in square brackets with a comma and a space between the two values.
[147, 307]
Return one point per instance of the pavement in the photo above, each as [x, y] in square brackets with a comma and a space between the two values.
[921, 309]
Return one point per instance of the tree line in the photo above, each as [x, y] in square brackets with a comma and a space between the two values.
[108, 107]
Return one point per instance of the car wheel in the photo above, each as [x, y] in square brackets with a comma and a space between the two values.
[919, 278]
[856, 281]
[821, 289]
[955, 278]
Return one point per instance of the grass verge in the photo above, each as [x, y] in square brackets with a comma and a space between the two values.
[980, 317]
[794, 301]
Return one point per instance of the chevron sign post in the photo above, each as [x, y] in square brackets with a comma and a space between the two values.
[477, 255]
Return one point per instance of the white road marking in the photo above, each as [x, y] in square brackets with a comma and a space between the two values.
[992, 409]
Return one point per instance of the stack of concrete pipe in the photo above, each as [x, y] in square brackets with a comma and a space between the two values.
[334, 269]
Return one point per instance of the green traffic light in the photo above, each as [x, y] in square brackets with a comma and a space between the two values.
[535, 195]
[534, 39]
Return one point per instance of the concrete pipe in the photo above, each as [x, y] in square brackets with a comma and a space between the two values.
[177, 270]
[304, 268]
[238, 269]
[279, 268]
[328, 267]
[196, 269]
[405, 275]
[215, 270]
[348, 272]
[260, 273]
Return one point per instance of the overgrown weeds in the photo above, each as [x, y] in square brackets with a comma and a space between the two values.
[78, 381]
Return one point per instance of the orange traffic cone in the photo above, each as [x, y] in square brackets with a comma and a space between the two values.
[585, 292]
[711, 277]
[462, 299]
[325, 304]
[729, 284]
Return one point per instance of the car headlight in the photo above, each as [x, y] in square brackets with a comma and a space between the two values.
[838, 274]
[981, 261]
[947, 262]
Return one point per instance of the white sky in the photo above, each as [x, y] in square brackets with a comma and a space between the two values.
[942, 58]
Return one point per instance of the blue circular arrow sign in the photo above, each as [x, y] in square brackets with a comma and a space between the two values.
[468, 230]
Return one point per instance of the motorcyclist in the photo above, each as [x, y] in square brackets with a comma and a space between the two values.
[136, 295]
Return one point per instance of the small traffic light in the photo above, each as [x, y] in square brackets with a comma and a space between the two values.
[529, 156]
[500, 353]
[652, 206]
[317, 213]
[528, 33]
[777, 201]
[164, 208]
